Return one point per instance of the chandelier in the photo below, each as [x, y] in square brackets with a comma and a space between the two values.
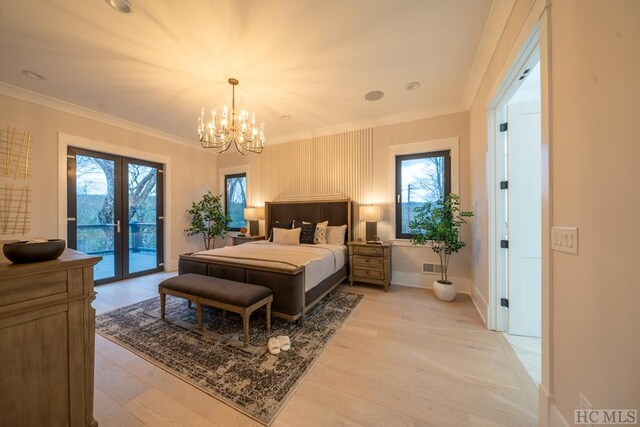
[231, 127]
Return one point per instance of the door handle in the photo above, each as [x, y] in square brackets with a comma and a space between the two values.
[117, 226]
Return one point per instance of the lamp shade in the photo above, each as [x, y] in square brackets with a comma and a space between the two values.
[370, 213]
[253, 214]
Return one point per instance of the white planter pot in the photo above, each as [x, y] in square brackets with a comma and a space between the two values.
[444, 292]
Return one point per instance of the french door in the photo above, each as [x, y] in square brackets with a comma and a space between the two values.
[115, 210]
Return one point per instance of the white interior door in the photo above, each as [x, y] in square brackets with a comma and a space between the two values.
[524, 218]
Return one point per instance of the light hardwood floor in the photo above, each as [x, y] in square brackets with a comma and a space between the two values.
[402, 359]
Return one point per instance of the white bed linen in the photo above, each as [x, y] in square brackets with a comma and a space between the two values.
[319, 261]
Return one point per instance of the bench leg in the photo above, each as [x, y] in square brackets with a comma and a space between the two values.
[245, 326]
[189, 303]
[163, 298]
[268, 318]
[224, 314]
[199, 307]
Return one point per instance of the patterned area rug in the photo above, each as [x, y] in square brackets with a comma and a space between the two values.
[251, 380]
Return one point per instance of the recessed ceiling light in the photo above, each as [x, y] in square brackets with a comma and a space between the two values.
[412, 86]
[374, 95]
[33, 75]
[286, 117]
[120, 5]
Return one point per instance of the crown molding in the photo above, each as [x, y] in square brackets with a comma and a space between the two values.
[368, 123]
[493, 30]
[67, 107]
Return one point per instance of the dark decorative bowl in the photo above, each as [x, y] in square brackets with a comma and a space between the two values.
[23, 252]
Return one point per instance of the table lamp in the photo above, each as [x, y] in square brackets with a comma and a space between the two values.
[371, 214]
[253, 215]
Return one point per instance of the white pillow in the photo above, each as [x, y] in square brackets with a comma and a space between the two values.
[335, 234]
[320, 235]
[282, 235]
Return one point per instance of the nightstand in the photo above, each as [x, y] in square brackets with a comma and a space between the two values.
[238, 240]
[370, 263]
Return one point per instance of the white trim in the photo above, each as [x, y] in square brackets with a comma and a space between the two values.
[534, 36]
[463, 285]
[494, 29]
[67, 107]
[66, 140]
[480, 303]
[451, 143]
[369, 123]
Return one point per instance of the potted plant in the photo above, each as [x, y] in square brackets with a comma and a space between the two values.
[438, 223]
[209, 219]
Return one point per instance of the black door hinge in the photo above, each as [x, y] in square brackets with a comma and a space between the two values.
[504, 126]
[504, 185]
[504, 302]
[504, 244]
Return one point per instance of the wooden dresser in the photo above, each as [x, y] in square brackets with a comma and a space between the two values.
[370, 263]
[47, 342]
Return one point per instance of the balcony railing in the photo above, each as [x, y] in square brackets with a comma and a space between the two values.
[97, 239]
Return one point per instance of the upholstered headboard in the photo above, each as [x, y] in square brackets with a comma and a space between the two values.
[337, 212]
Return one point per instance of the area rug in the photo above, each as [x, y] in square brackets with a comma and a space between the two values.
[250, 380]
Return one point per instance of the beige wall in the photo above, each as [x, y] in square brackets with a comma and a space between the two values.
[595, 63]
[365, 177]
[595, 150]
[192, 171]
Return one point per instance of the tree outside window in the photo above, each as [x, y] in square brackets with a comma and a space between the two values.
[420, 178]
[235, 199]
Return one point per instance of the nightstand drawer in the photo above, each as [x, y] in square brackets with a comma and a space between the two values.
[368, 250]
[363, 273]
[368, 262]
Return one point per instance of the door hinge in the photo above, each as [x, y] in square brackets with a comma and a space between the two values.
[71, 219]
[161, 264]
[504, 126]
[504, 185]
[161, 170]
[160, 218]
[504, 244]
[504, 302]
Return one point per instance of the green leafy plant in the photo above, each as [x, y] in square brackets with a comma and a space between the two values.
[208, 218]
[438, 223]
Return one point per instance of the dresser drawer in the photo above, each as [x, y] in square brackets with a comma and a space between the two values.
[364, 273]
[368, 262]
[368, 250]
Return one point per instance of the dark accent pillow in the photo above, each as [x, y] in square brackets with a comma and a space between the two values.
[276, 224]
[307, 233]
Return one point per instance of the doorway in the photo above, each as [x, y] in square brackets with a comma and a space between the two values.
[115, 210]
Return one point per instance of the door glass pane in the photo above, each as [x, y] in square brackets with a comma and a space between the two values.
[142, 218]
[422, 180]
[95, 211]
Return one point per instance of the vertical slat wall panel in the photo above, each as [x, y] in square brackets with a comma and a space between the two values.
[338, 165]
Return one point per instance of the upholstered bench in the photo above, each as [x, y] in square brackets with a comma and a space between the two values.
[238, 297]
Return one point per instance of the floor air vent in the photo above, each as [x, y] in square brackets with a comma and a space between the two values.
[428, 268]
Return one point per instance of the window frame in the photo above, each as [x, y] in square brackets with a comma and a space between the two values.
[399, 158]
[226, 198]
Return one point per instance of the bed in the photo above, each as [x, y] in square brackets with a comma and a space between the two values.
[293, 272]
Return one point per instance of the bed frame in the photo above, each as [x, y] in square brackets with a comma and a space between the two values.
[290, 301]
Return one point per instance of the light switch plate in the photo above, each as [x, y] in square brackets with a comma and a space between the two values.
[565, 239]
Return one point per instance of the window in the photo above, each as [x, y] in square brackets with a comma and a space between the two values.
[235, 199]
[420, 178]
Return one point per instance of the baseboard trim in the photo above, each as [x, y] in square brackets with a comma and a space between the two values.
[410, 285]
[480, 303]
[548, 413]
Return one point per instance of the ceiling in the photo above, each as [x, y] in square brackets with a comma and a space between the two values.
[313, 60]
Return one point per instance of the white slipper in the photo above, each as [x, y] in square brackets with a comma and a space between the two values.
[273, 345]
[285, 342]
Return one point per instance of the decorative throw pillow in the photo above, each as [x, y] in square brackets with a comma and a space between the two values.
[281, 235]
[335, 234]
[320, 236]
[276, 224]
[307, 233]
